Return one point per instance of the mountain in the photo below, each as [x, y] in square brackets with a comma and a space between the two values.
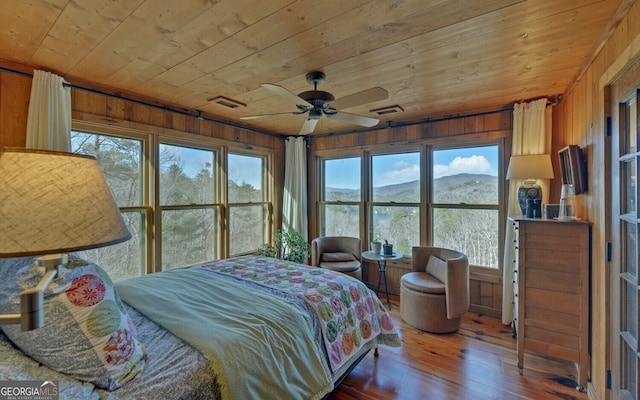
[408, 192]
[466, 188]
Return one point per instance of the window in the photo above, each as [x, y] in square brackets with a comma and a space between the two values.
[420, 195]
[189, 212]
[465, 205]
[394, 210]
[121, 162]
[177, 217]
[249, 212]
[340, 197]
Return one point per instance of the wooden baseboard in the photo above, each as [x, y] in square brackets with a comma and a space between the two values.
[488, 311]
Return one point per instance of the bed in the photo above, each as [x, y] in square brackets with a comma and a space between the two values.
[239, 328]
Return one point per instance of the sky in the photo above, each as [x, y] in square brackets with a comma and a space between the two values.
[345, 173]
[191, 160]
[242, 169]
[400, 168]
[245, 169]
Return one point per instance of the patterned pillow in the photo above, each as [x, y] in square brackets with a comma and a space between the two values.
[87, 333]
[337, 257]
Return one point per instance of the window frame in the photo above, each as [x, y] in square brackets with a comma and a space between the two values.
[370, 203]
[267, 196]
[151, 137]
[426, 205]
[147, 157]
[320, 186]
[500, 206]
[215, 205]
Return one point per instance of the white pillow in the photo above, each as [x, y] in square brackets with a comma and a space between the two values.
[437, 268]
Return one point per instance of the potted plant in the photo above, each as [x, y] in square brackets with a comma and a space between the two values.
[290, 246]
[376, 246]
[387, 248]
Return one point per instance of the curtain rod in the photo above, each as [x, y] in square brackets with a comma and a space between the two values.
[551, 100]
[199, 114]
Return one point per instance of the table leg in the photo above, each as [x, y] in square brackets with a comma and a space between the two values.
[382, 272]
[379, 276]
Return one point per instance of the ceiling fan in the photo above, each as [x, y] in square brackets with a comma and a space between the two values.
[316, 103]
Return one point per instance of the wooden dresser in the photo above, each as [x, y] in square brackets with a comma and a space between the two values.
[551, 285]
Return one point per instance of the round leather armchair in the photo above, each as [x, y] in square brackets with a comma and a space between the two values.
[435, 295]
[338, 253]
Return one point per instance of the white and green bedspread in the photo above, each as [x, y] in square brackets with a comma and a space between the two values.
[270, 329]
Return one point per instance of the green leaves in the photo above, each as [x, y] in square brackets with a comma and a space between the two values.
[290, 246]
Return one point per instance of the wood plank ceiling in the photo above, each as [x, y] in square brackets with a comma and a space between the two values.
[434, 57]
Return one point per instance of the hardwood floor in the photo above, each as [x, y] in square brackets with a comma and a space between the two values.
[477, 362]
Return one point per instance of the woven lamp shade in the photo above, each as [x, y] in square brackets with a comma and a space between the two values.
[55, 202]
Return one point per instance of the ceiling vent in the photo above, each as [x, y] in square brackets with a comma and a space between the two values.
[227, 102]
[387, 110]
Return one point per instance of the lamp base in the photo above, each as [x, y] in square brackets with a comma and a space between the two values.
[528, 190]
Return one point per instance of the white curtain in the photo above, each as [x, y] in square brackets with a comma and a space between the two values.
[49, 120]
[294, 199]
[531, 135]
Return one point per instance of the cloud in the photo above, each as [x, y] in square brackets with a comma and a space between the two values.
[403, 171]
[459, 165]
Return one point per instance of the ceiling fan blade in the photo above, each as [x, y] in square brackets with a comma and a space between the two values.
[308, 126]
[353, 118]
[292, 97]
[269, 115]
[364, 97]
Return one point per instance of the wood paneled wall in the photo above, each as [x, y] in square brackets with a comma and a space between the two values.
[485, 288]
[463, 128]
[580, 119]
[15, 90]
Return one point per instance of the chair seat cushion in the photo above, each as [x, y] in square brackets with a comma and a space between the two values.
[423, 282]
[345, 266]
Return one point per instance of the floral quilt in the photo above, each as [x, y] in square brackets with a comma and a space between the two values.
[350, 314]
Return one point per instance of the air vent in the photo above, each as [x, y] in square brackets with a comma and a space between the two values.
[387, 110]
[227, 102]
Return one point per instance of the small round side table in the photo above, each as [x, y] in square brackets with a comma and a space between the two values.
[382, 268]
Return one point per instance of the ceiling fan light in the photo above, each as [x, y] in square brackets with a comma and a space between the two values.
[317, 97]
[317, 103]
[315, 114]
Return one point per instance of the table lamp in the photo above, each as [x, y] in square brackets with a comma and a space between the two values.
[50, 203]
[529, 168]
